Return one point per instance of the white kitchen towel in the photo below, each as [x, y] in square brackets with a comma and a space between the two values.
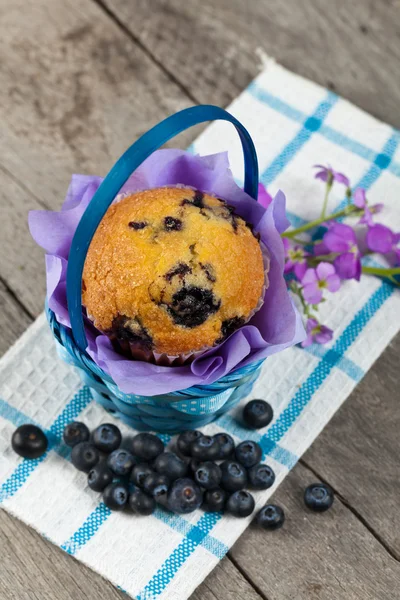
[294, 124]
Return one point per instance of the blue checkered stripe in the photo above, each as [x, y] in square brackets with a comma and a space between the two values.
[200, 534]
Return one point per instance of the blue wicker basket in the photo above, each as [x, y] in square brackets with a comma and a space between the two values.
[184, 409]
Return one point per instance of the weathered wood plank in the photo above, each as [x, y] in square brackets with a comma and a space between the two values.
[358, 452]
[327, 556]
[225, 581]
[75, 92]
[212, 47]
[21, 260]
[13, 319]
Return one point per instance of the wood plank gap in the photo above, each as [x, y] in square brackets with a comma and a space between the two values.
[101, 4]
[355, 512]
[15, 298]
[23, 186]
[243, 573]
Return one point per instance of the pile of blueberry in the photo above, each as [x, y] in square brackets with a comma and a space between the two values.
[201, 470]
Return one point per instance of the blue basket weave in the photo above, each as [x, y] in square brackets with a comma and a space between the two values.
[185, 409]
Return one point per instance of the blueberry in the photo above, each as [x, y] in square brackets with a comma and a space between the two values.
[261, 477]
[214, 500]
[139, 473]
[75, 432]
[318, 497]
[107, 437]
[29, 441]
[100, 477]
[234, 476]
[115, 496]
[186, 439]
[205, 448]
[208, 475]
[171, 465]
[191, 306]
[248, 453]
[185, 496]
[147, 446]
[271, 517]
[84, 456]
[226, 445]
[141, 503]
[172, 224]
[157, 486]
[121, 462]
[257, 414]
[240, 504]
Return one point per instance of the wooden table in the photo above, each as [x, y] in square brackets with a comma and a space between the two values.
[79, 80]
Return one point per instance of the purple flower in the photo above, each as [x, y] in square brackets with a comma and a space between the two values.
[383, 240]
[360, 200]
[296, 260]
[264, 198]
[316, 280]
[330, 175]
[341, 239]
[317, 333]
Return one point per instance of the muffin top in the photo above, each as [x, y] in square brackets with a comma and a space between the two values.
[172, 270]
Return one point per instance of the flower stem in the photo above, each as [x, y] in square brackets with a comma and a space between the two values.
[382, 272]
[340, 213]
[325, 204]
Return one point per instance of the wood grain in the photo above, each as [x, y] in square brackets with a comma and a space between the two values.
[327, 556]
[13, 319]
[213, 47]
[75, 92]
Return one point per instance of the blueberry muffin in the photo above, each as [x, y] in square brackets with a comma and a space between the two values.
[172, 270]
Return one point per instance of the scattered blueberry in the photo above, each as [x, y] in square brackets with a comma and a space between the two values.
[318, 497]
[261, 477]
[84, 456]
[234, 476]
[139, 474]
[121, 462]
[257, 414]
[214, 500]
[226, 445]
[205, 448]
[208, 475]
[29, 441]
[75, 432]
[115, 496]
[157, 485]
[107, 437]
[271, 517]
[171, 465]
[240, 504]
[248, 453]
[141, 503]
[100, 477]
[185, 496]
[147, 446]
[186, 439]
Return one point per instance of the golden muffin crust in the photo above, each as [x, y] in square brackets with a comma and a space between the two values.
[172, 270]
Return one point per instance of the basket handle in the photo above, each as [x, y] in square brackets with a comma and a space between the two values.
[119, 174]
